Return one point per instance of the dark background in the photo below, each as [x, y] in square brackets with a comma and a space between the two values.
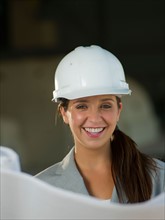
[36, 34]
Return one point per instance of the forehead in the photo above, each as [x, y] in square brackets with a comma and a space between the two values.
[95, 98]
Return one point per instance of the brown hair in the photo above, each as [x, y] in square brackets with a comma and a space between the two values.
[131, 169]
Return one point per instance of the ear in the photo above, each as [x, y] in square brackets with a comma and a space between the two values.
[64, 115]
[119, 110]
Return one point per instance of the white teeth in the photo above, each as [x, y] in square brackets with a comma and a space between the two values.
[94, 130]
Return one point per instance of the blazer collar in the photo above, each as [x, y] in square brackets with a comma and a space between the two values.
[68, 170]
[70, 174]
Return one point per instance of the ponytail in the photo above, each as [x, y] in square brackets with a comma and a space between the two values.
[131, 169]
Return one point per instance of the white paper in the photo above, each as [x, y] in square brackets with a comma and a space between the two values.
[9, 159]
[23, 197]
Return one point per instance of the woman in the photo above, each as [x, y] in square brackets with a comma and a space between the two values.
[104, 162]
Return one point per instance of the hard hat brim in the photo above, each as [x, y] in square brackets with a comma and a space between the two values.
[91, 92]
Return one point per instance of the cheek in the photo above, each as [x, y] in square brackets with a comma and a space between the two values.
[112, 117]
[75, 118]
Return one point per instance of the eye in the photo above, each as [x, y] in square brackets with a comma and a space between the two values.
[106, 106]
[81, 106]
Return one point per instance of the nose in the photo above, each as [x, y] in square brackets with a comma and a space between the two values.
[94, 115]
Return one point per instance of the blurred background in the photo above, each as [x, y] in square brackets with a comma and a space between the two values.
[36, 34]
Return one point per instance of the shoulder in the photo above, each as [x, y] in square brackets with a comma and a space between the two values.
[64, 175]
[52, 170]
[160, 165]
[158, 179]
[57, 169]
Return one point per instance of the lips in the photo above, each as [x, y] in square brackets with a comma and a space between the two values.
[94, 132]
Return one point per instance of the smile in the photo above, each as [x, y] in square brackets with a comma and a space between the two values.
[94, 130]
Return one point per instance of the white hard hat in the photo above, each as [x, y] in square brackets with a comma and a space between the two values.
[89, 71]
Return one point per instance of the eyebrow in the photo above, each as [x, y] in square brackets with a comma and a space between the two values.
[107, 99]
[85, 100]
[82, 100]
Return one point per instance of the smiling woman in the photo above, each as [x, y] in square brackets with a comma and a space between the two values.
[92, 119]
[104, 162]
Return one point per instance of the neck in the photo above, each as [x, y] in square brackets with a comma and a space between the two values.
[92, 159]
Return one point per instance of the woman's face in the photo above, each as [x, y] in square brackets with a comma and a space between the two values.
[92, 120]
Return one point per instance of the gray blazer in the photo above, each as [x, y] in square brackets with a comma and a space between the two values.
[66, 175]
